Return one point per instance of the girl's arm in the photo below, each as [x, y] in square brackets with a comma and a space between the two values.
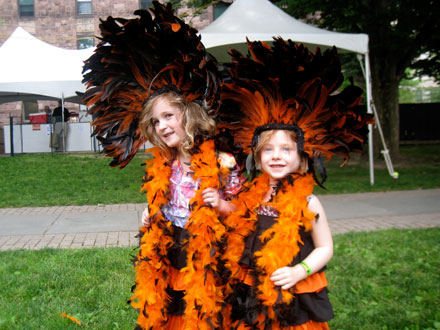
[233, 185]
[287, 277]
[146, 218]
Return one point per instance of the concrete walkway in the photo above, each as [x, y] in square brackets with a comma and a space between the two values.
[117, 225]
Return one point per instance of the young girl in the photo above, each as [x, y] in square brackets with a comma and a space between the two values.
[172, 124]
[287, 245]
[188, 185]
[150, 79]
[282, 106]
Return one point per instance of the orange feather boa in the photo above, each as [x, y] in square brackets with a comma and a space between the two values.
[203, 297]
[281, 240]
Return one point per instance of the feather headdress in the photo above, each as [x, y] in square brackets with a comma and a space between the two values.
[285, 86]
[135, 59]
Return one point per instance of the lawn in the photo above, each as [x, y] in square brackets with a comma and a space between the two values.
[377, 280]
[86, 178]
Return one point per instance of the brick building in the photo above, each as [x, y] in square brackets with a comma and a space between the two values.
[71, 24]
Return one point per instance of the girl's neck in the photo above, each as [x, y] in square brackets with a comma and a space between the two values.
[273, 182]
[185, 162]
[184, 158]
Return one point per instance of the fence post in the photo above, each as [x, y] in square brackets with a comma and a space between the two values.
[11, 133]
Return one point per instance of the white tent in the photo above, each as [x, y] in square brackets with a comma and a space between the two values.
[33, 69]
[261, 20]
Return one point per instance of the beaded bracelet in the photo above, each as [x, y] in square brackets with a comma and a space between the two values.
[306, 267]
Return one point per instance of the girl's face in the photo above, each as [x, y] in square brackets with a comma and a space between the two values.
[279, 156]
[167, 123]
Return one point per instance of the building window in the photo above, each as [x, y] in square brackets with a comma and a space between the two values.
[84, 7]
[85, 41]
[219, 8]
[145, 4]
[26, 8]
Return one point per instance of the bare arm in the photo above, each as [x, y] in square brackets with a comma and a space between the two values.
[287, 277]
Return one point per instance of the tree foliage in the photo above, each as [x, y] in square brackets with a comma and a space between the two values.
[399, 29]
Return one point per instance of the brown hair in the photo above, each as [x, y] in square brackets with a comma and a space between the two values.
[264, 139]
[195, 122]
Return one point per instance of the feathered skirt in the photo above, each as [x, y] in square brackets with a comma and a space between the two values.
[310, 308]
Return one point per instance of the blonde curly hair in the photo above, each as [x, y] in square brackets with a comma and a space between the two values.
[195, 121]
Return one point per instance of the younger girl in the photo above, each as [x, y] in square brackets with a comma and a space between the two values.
[278, 268]
[188, 185]
[282, 106]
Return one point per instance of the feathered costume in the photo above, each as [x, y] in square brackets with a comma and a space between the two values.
[135, 59]
[283, 87]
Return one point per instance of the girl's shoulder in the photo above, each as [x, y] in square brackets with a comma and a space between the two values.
[226, 160]
[314, 204]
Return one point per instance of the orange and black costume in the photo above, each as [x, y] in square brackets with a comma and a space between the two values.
[135, 60]
[283, 87]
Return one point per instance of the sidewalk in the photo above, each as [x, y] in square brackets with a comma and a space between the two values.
[117, 225]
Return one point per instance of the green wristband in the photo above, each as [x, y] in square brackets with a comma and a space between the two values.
[306, 267]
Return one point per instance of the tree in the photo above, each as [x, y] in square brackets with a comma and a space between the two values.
[400, 32]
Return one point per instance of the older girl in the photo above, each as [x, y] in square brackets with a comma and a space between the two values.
[151, 79]
[188, 185]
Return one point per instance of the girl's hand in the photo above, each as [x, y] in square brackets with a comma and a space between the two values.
[211, 197]
[287, 277]
[146, 218]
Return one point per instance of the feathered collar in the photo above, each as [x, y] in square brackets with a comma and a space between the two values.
[203, 297]
[280, 242]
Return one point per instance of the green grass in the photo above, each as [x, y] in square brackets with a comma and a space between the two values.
[86, 179]
[418, 167]
[378, 280]
[386, 280]
[92, 285]
[68, 179]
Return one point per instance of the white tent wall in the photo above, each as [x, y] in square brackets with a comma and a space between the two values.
[35, 138]
[261, 20]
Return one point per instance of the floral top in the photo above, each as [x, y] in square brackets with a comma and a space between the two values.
[183, 188]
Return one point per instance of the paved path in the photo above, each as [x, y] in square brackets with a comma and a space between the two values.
[117, 225]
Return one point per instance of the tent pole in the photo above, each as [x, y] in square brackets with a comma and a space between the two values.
[372, 109]
[367, 75]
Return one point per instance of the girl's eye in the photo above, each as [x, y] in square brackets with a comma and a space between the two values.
[155, 122]
[286, 149]
[168, 115]
[267, 148]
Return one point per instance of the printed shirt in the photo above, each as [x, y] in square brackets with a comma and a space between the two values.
[183, 188]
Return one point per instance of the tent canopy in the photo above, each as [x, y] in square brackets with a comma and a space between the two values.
[33, 69]
[261, 20]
